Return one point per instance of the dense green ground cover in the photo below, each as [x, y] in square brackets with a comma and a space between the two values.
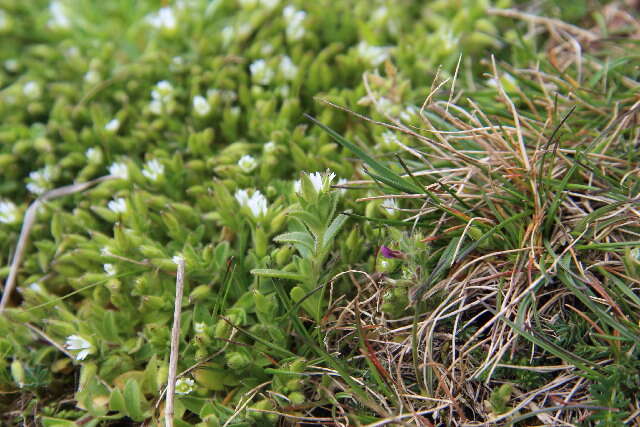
[456, 241]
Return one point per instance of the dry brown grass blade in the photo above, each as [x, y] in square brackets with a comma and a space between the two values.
[175, 344]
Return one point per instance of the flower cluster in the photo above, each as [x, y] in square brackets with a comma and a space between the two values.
[162, 98]
[260, 72]
[118, 170]
[164, 19]
[9, 213]
[153, 170]
[40, 180]
[295, 23]
[201, 106]
[247, 163]
[79, 344]
[321, 182]
[257, 203]
[373, 55]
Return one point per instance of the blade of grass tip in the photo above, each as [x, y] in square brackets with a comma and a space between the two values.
[374, 164]
[406, 169]
[226, 282]
[541, 187]
[389, 182]
[430, 193]
[335, 364]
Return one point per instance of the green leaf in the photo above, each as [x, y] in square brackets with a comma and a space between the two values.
[57, 422]
[116, 401]
[133, 400]
[278, 274]
[333, 229]
[298, 237]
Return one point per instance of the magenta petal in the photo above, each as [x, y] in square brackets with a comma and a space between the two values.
[390, 253]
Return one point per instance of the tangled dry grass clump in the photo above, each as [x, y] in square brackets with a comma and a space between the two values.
[529, 306]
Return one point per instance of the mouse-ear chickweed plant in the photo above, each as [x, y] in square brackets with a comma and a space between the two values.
[312, 232]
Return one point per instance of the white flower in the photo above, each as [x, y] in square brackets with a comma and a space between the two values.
[153, 169]
[12, 65]
[297, 186]
[380, 14]
[163, 19]
[260, 72]
[92, 77]
[390, 205]
[36, 287]
[118, 205]
[373, 55]
[247, 163]
[199, 327]
[162, 91]
[177, 259]
[242, 197]
[59, 18]
[161, 97]
[155, 106]
[40, 180]
[321, 181]
[76, 342]
[269, 147]
[105, 251]
[112, 126]
[32, 90]
[288, 68]
[8, 212]
[184, 385]
[119, 170]
[316, 180]
[35, 188]
[390, 139]
[295, 20]
[257, 203]
[110, 269]
[201, 105]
